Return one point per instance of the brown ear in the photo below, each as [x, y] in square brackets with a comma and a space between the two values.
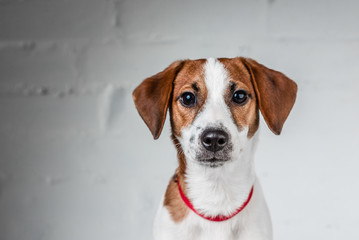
[275, 92]
[152, 96]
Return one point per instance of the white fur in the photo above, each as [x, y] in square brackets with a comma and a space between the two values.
[222, 189]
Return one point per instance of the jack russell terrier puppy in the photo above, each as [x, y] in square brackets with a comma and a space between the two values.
[214, 112]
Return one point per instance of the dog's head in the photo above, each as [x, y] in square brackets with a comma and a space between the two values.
[214, 105]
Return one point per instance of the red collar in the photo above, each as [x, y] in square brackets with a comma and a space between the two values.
[218, 218]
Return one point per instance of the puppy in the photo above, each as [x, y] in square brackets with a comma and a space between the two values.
[214, 109]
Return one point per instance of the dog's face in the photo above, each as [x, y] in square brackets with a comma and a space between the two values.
[214, 110]
[214, 105]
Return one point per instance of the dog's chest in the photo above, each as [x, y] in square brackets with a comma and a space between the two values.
[193, 227]
[206, 230]
[253, 223]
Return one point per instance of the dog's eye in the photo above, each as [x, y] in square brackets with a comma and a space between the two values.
[240, 97]
[188, 99]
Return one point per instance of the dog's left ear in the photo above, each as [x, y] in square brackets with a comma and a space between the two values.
[152, 97]
[276, 94]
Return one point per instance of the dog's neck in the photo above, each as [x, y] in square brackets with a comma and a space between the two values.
[221, 190]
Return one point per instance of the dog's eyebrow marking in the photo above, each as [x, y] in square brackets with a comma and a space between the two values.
[195, 87]
[233, 86]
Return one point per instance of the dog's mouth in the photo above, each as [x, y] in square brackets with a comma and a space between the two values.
[212, 162]
[215, 159]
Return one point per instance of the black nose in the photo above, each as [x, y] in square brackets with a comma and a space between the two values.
[214, 140]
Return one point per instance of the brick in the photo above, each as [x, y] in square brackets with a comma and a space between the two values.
[314, 19]
[173, 21]
[48, 115]
[45, 64]
[49, 20]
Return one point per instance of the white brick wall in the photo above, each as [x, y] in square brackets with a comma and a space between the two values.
[77, 162]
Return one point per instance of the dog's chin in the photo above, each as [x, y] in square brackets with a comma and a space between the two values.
[212, 162]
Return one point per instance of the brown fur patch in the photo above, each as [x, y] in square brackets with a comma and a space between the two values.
[191, 73]
[276, 93]
[246, 115]
[173, 201]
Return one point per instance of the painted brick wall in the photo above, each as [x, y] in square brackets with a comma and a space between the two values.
[77, 162]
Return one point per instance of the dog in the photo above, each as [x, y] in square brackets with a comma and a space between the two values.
[214, 107]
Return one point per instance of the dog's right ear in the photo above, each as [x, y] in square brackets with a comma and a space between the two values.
[152, 97]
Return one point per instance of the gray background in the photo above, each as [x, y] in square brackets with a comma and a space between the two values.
[77, 162]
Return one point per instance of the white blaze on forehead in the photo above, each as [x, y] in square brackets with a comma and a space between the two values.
[216, 79]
